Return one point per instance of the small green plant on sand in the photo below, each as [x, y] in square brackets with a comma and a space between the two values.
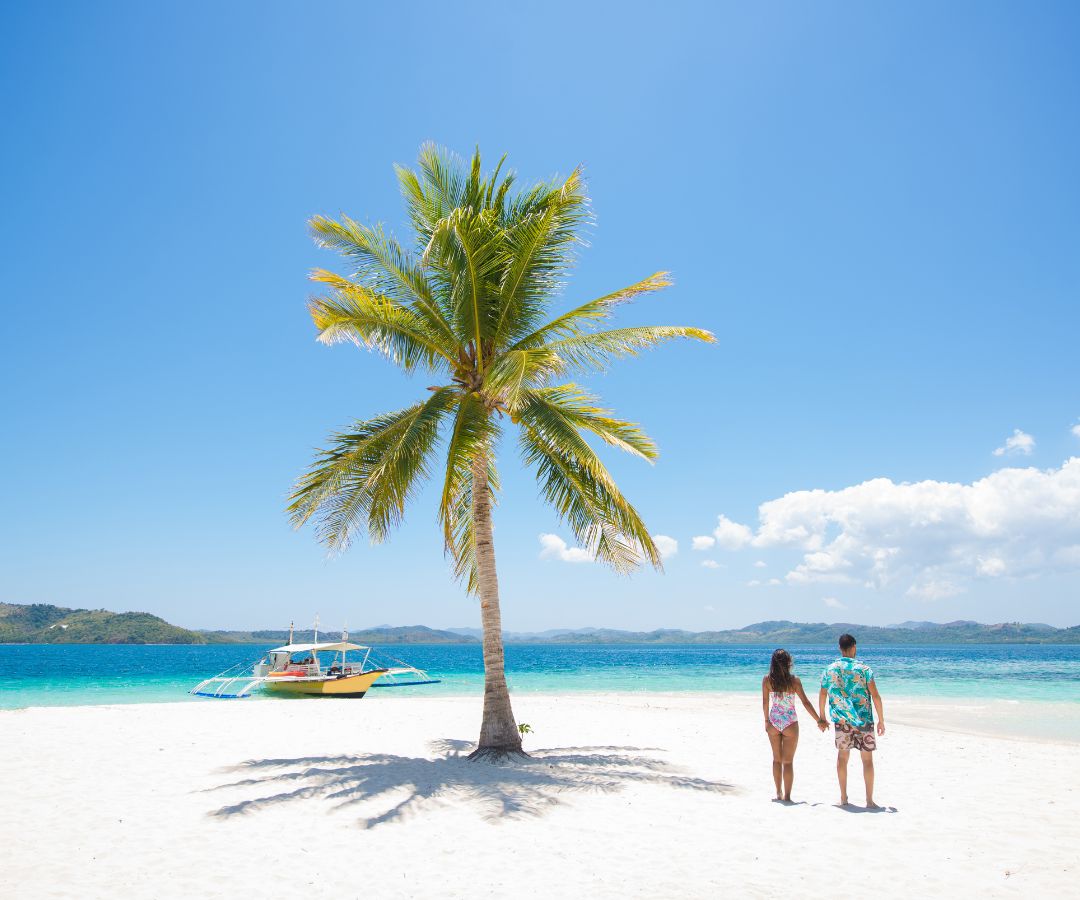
[524, 728]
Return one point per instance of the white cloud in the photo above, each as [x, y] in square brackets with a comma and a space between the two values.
[711, 564]
[731, 535]
[1076, 430]
[992, 567]
[930, 588]
[702, 542]
[667, 546]
[554, 547]
[1017, 443]
[833, 603]
[708, 607]
[760, 564]
[930, 539]
[753, 583]
[774, 581]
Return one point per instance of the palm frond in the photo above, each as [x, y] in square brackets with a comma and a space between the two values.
[377, 322]
[467, 244]
[578, 410]
[365, 478]
[595, 311]
[598, 349]
[578, 485]
[517, 371]
[383, 265]
[538, 251]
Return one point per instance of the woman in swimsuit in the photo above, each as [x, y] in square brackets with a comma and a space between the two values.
[778, 691]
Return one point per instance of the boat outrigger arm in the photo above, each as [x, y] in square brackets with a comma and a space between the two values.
[280, 672]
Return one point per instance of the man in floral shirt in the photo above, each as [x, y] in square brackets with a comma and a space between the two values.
[850, 689]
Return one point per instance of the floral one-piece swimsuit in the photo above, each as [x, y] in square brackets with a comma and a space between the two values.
[782, 710]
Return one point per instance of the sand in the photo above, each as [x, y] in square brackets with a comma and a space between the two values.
[627, 795]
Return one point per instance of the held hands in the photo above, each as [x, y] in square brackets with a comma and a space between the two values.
[822, 725]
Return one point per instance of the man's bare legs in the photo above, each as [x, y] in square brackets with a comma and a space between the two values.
[868, 777]
[867, 771]
[841, 774]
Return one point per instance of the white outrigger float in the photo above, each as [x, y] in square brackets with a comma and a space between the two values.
[296, 669]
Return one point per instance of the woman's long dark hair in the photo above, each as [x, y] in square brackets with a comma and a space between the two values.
[780, 678]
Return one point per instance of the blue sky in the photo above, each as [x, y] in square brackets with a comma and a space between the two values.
[876, 210]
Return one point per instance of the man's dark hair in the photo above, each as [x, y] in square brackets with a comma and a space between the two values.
[846, 641]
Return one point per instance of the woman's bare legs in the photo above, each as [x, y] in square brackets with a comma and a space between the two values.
[776, 739]
[789, 740]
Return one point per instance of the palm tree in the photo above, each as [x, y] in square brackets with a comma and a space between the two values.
[469, 305]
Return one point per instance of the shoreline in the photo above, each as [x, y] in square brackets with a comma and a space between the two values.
[910, 711]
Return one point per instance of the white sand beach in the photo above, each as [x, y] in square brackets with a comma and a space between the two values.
[627, 795]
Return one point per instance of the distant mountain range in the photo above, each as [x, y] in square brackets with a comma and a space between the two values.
[781, 633]
[41, 623]
[380, 634]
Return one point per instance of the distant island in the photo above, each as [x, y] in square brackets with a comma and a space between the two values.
[41, 623]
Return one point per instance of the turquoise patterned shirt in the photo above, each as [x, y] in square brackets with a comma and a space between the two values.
[847, 683]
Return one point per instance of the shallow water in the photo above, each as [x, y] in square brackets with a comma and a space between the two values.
[81, 674]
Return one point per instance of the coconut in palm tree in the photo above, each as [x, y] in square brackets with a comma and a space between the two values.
[470, 303]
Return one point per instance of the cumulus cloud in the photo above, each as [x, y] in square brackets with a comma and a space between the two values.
[833, 603]
[667, 546]
[1076, 430]
[731, 535]
[760, 564]
[554, 547]
[702, 542]
[711, 564]
[929, 539]
[1017, 443]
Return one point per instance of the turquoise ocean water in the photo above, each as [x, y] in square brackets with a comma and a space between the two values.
[74, 675]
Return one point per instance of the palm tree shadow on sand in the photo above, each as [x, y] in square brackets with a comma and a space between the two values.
[519, 789]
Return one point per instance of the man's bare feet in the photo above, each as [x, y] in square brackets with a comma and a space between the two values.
[787, 798]
[843, 800]
[870, 804]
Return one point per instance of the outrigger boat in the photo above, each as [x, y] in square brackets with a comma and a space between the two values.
[297, 669]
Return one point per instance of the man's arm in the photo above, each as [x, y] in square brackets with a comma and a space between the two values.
[821, 703]
[879, 706]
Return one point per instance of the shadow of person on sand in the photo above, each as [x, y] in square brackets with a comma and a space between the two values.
[517, 789]
[852, 808]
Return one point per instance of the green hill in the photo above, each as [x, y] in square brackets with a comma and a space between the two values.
[42, 623]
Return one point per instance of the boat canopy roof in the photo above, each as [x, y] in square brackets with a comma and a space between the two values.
[335, 646]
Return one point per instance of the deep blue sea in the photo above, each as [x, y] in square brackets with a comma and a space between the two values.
[80, 674]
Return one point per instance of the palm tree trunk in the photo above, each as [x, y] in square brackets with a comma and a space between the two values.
[499, 736]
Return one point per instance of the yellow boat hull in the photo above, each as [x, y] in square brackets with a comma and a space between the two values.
[344, 686]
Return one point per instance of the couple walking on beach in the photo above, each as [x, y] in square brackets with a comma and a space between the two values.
[852, 695]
